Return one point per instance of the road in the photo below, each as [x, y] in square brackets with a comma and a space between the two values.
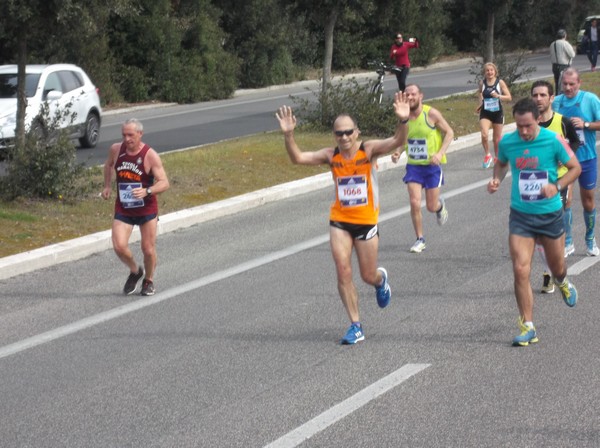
[192, 125]
[240, 345]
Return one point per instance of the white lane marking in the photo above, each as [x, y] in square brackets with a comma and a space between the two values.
[346, 407]
[114, 313]
[582, 265]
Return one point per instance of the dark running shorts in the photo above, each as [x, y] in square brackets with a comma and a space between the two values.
[134, 220]
[532, 226]
[357, 231]
[494, 117]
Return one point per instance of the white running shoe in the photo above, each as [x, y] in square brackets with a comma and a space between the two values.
[419, 246]
[569, 250]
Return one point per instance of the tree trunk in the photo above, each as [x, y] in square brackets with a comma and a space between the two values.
[489, 38]
[21, 98]
[328, 53]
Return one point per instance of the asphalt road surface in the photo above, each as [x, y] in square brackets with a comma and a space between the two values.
[185, 126]
[239, 347]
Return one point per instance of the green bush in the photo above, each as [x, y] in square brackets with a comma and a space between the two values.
[348, 97]
[46, 166]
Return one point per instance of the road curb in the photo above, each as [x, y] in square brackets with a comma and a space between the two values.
[85, 246]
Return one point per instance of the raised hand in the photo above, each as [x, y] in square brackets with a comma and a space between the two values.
[401, 106]
[286, 118]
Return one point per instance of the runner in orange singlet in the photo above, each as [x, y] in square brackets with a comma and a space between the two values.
[355, 211]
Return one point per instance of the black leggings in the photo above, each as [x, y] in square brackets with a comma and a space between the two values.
[401, 77]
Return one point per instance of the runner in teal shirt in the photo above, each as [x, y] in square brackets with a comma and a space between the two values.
[536, 212]
[534, 164]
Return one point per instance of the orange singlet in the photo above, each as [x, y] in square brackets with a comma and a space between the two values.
[356, 189]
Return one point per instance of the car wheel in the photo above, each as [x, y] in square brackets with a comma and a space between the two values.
[91, 132]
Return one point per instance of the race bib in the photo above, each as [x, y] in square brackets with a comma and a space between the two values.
[417, 149]
[126, 195]
[352, 191]
[491, 104]
[531, 184]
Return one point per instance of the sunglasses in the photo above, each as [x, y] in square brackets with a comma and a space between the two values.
[347, 132]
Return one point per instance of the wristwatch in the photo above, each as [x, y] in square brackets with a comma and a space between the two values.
[586, 125]
[149, 191]
[558, 187]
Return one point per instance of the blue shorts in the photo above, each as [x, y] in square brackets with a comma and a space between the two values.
[531, 226]
[589, 174]
[428, 176]
[357, 231]
[134, 220]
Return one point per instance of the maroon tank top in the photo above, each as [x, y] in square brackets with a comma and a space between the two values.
[131, 174]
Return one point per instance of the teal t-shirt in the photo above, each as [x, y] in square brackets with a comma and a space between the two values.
[532, 165]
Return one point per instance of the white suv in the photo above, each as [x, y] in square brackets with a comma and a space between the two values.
[58, 85]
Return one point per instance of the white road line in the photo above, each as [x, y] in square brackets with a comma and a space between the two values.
[346, 407]
[582, 265]
[114, 313]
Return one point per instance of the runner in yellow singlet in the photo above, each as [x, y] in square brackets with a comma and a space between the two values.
[429, 136]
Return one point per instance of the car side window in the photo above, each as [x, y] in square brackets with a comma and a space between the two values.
[69, 80]
[52, 83]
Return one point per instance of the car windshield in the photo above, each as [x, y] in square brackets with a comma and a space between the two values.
[8, 85]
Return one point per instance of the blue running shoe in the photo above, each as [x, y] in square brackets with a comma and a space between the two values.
[527, 336]
[353, 335]
[383, 292]
[568, 291]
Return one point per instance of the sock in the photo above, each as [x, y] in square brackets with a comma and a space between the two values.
[590, 222]
[357, 324]
[568, 223]
[528, 324]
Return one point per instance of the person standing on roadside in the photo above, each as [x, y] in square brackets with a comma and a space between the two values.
[429, 136]
[583, 109]
[492, 91]
[140, 177]
[354, 213]
[399, 54]
[534, 155]
[591, 34]
[543, 95]
[561, 55]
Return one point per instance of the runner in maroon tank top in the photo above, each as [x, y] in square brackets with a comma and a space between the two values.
[140, 176]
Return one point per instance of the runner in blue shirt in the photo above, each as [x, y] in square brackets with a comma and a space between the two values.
[583, 108]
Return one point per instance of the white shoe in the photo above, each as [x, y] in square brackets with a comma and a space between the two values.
[419, 246]
[592, 249]
[569, 250]
[442, 215]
